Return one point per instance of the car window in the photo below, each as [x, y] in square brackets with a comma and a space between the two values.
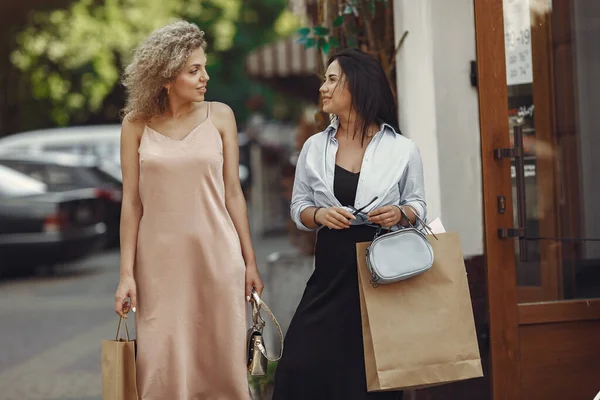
[16, 184]
[105, 177]
[35, 171]
[61, 148]
[15, 149]
[57, 177]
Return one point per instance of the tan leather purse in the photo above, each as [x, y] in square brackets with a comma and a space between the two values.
[257, 353]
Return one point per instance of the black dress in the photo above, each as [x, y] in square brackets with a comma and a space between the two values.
[323, 356]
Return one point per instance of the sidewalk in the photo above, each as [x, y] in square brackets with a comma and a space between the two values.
[284, 271]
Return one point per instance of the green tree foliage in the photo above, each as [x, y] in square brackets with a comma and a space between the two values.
[74, 57]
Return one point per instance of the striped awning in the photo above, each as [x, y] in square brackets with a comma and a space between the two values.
[282, 59]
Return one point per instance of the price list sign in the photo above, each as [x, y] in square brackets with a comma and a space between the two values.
[517, 42]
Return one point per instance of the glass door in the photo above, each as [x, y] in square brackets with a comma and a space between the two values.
[553, 88]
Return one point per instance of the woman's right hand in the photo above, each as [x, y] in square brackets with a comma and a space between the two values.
[334, 217]
[125, 290]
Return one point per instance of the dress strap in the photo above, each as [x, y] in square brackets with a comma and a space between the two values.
[208, 113]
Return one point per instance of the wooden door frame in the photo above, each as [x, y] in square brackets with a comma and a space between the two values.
[506, 316]
[499, 253]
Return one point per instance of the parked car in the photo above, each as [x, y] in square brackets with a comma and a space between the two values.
[66, 172]
[38, 227]
[101, 141]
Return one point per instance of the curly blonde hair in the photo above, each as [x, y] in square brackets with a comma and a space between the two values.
[156, 62]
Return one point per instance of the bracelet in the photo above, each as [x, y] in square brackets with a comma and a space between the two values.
[315, 216]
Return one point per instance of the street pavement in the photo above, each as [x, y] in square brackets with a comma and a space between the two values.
[52, 325]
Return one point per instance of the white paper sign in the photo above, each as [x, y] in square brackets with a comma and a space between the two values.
[517, 42]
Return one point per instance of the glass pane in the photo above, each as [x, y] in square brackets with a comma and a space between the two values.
[553, 82]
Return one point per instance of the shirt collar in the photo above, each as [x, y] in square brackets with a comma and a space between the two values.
[333, 127]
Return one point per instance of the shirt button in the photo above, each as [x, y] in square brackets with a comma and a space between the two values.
[366, 158]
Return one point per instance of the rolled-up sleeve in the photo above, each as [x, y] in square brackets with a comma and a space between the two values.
[412, 184]
[302, 193]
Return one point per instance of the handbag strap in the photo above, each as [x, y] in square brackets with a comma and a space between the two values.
[259, 323]
[426, 227]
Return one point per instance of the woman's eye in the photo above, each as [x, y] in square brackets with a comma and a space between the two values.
[194, 72]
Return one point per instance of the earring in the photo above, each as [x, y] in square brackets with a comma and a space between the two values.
[168, 90]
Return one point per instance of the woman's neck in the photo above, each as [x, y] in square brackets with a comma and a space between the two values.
[177, 108]
[350, 127]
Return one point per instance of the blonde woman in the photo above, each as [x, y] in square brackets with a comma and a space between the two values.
[187, 261]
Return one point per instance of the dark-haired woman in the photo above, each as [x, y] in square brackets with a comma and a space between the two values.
[351, 178]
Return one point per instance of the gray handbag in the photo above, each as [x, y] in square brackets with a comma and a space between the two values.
[400, 254]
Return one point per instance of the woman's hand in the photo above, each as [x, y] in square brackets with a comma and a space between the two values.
[253, 281]
[125, 290]
[386, 216]
[334, 217]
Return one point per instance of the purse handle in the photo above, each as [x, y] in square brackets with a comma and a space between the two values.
[259, 323]
[426, 227]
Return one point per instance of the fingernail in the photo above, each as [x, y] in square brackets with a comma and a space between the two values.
[247, 298]
[133, 309]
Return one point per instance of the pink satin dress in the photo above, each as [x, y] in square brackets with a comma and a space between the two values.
[191, 314]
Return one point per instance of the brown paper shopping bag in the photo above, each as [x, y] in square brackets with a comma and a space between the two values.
[420, 332]
[118, 367]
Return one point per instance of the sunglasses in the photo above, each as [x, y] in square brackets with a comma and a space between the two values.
[356, 212]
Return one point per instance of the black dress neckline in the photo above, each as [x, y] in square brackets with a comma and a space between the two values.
[345, 184]
[344, 169]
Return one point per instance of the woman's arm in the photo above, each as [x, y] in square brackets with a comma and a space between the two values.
[131, 212]
[412, 188]
[234, 196]
[303, 210]
[302, 206]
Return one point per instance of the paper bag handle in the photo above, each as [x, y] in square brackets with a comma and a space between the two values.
[119, 330]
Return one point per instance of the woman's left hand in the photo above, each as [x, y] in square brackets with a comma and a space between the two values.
[385, 216]
[253, 281]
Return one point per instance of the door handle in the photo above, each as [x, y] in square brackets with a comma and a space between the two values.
[517, 152]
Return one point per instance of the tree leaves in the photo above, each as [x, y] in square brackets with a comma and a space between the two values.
[338, 21]
[74, 57]
[320, 30]
[321, 38]
[334, 42]
[303, 31]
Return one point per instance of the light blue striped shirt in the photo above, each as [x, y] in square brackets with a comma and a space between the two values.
[391, 170]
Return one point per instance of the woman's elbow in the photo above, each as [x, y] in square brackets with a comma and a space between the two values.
[296, 215]
[131, 208]
[233, 192]
[421, 208]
